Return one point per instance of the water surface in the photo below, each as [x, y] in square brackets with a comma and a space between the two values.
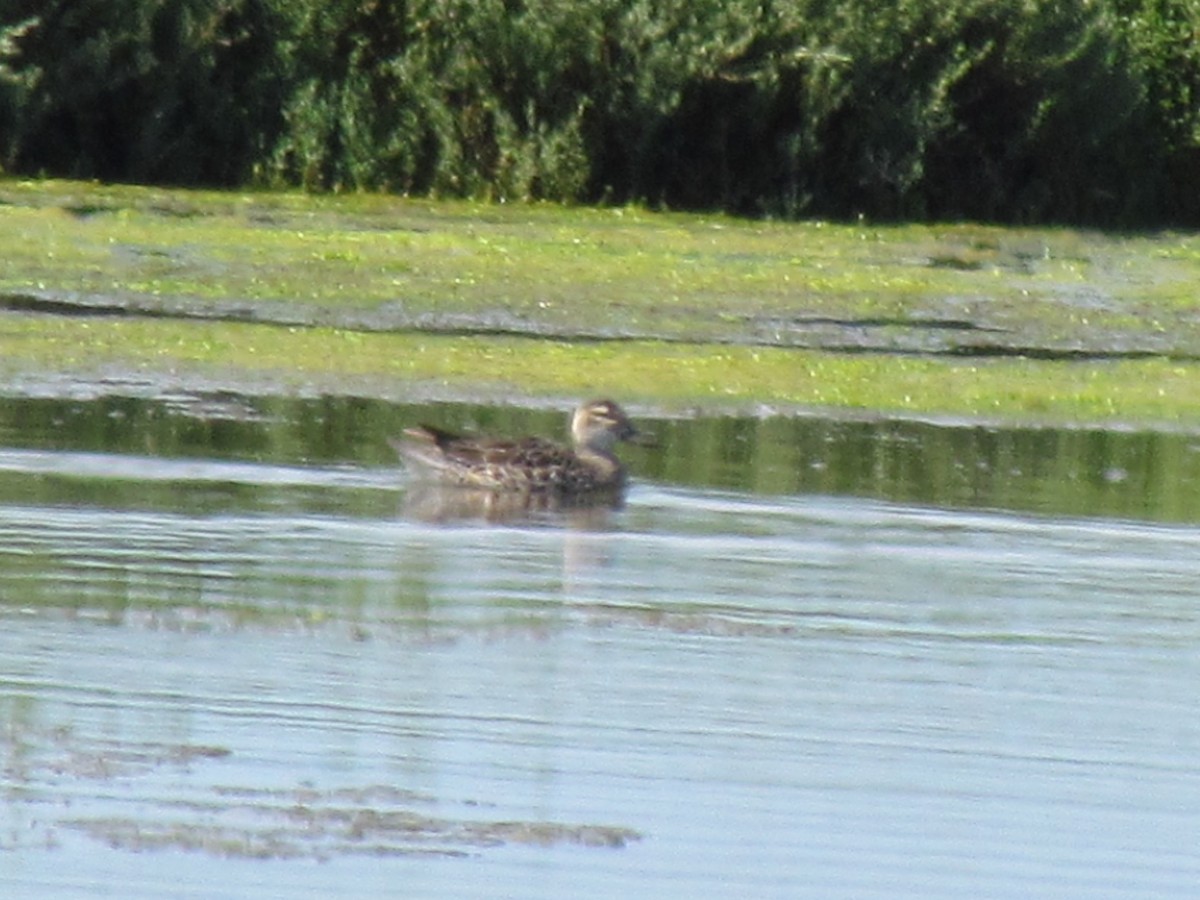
[807, 658]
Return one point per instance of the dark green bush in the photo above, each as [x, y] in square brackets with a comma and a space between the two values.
[466, 98]
[1011, 110]
[184, 91]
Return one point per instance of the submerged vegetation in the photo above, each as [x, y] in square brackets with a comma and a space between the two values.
[1086, 111]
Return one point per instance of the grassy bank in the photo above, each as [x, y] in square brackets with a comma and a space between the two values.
[670, 375]
[392, 297]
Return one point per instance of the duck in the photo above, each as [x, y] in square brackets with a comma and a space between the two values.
[530, 465]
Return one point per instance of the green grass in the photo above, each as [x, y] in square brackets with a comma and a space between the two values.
[670, 375]
[478, 300]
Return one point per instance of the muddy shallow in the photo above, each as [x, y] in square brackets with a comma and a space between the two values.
[378, 263]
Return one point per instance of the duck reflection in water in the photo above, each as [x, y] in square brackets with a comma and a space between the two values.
[499, 479]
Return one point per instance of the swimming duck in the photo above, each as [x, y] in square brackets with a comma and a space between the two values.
[530, 464]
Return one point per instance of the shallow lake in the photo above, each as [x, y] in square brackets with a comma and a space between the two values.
[240, 656]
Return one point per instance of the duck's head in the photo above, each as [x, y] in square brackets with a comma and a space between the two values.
[598, 425]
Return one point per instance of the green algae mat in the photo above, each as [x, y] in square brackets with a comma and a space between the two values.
[395, 297]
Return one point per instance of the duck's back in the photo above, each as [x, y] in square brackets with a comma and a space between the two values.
[531, 464]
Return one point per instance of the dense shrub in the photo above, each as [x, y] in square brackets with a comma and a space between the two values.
[1012, 110]
[184, 91]
[455, 96]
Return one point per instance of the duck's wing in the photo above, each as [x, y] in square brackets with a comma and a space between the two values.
[531, 463]
[530, 453]
[423, 446]
[528, 463]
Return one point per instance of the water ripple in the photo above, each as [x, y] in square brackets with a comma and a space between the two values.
[778, 695]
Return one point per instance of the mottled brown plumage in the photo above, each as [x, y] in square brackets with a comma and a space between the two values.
[529, 464]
